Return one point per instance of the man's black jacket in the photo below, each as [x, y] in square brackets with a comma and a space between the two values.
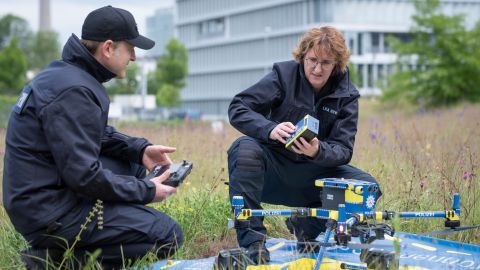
[285, 95]
[55, 135]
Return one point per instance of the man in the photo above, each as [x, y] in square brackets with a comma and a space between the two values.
[61, 157]
[261, 169]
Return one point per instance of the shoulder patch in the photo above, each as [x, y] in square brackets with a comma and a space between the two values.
[22, 99]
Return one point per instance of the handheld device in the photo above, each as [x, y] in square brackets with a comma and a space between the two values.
[178, 172]
[306, 128]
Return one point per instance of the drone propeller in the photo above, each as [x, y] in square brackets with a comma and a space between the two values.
[451, 231]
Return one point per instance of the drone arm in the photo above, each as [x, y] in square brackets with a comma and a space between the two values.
[448, 214]
[243, 214]
[452, 214]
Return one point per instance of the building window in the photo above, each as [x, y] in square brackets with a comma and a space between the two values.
[212, 28]
[360, 75]
[375, 42]
[351, 44]
[370, 81]
[360, 45]
[403, 37]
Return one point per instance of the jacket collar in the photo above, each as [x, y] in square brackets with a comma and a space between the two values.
[75, 53]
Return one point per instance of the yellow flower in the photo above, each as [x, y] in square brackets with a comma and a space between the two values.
[180, 208]
[190, 209]
[194, 189]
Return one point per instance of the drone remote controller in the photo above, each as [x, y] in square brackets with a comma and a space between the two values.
[178, 172]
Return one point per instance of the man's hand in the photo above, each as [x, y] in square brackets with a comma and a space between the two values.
[301, 146]
[162, 191]
[156, 155]
[282, 131]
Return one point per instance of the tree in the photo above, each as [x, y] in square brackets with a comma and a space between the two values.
[40, 48]
[168, 96]
[13, 68]
[127, 85]
[12, 26]
[43, 49]
[169, 77]
[446, 56]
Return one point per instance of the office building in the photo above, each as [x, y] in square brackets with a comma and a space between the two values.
[159, 27]
[233, 43]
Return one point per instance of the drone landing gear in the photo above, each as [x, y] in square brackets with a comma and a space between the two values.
[232, 259]
[370, 232]
[377, 259]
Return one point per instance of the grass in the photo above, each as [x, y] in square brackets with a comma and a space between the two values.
[419, 158]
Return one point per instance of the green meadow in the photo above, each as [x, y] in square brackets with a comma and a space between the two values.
[420, 159]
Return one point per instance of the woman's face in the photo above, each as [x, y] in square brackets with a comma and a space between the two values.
[318, 66]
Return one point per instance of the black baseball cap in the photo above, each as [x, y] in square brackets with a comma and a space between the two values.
[116, 24]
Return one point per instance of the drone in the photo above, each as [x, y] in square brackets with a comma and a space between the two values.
[348, 205]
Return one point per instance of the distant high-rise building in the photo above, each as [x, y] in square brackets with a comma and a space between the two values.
[160, 29]
[44, 21]
[232, 44]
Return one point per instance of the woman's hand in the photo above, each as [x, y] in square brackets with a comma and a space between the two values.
[301, 146]
[282, 131]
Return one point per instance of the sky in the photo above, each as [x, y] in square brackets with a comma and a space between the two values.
[67, 15]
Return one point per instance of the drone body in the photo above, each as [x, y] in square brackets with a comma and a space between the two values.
[348, 205]
[347, 202]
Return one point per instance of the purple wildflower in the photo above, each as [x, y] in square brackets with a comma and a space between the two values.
[397, 134]
[468, 175]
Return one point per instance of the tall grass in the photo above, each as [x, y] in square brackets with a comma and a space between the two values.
[419, 158]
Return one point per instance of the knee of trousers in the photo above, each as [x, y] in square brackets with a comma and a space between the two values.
[168, 235]
[177, 238]
[246, 161]
[369, 178]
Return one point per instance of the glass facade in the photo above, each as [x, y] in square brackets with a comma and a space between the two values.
[233, 43]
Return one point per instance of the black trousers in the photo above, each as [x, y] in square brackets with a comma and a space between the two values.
[129, 230]
[261, 175]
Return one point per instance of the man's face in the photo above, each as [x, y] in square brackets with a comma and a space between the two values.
[318, 66]
[122, 53]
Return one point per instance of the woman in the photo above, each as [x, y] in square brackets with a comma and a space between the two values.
[261, 169]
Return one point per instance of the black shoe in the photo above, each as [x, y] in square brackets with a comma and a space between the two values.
[39, 259]
[290, 225]
[258, 253]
